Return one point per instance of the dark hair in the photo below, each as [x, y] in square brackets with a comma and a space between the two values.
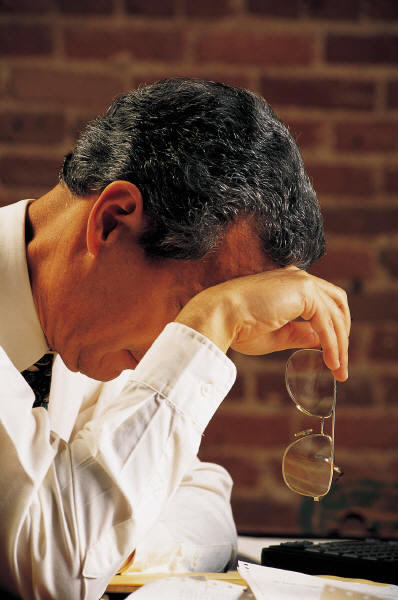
[202, 154]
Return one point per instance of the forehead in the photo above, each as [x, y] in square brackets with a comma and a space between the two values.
[239, 253]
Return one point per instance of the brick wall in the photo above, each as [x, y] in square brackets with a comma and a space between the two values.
[329, 68]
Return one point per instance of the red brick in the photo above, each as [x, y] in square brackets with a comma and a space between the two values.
[250, 430]
[356, 391]
[357, 351]
[237, 80]
[154, 8]
[287, 8]
[31, 127]
[345, 264]
[341, 179]
[88, 7]
[355, 468]
[319, 92]
[394, 476]
[244, 471]
[79, 123]
[360, 221]
[253, 48]
[143, 44]
[272, 469]
[389, 258]
[19, 39]
[238, 390]
[370, 431]
[367, 136]
[267, 517]
[390, 387]
[271, 387]
[64, 86]
[307, 133]
[384, 344]
[9, 196]
[207, 8]
[358, 505]
[392, 94]
[29, 171]
[3, 82]
[383, 9]
[391, 181]
[372, 49]
[375, 306]
[26, 6]
[333, 9]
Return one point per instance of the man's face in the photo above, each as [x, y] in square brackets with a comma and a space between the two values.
[126, 300]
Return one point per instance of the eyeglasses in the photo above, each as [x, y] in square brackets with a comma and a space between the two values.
[308, 462]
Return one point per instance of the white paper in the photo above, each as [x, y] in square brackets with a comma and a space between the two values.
[191, 588]
[331, 592]
[267, 583]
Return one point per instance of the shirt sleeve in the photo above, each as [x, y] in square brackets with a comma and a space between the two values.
[72, 513]
[196, 530]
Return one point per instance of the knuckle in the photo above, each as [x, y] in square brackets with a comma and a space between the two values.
[343, 294]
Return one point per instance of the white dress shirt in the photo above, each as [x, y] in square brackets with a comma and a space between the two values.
[110, 467]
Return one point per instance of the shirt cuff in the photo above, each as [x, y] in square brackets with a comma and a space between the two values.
[188, 370]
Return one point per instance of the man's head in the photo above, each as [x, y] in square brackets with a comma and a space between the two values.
[202, 154]
[181, 185]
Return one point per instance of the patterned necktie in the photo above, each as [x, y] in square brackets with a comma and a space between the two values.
[38, 377]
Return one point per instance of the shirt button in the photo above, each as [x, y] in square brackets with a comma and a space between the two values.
[205, 389]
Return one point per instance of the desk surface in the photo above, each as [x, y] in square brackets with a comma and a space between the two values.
[132, 581]
[248, 548]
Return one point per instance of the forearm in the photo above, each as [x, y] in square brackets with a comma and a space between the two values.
[275, 310]
[196, 531]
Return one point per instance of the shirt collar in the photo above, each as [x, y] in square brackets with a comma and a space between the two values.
[21, 334]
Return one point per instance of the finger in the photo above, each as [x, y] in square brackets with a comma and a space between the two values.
[342, 332]
[318, 310]
[341, 318]
[327, 309]
[334, 341]
[341, 374]
[296, 334]
[324, 326]
[339, 296]
[325, 319]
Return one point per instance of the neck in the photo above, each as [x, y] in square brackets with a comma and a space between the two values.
[53, 237]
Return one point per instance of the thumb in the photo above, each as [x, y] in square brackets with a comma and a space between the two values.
[295, 334]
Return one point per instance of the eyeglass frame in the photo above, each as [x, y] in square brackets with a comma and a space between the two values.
[307, 433]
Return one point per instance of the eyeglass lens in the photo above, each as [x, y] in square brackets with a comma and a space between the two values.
[307, 465]
[308, 462]
[310, 383]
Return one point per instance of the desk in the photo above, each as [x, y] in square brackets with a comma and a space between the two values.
[249, 549]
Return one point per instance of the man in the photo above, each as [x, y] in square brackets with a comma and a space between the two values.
[181, 227]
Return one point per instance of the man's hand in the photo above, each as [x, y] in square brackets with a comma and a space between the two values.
[257, 315]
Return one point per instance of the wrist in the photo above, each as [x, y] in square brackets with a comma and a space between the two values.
[210, 314]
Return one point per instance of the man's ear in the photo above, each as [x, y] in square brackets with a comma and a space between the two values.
[120, 203]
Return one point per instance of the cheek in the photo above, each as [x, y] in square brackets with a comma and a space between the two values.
[134, 325]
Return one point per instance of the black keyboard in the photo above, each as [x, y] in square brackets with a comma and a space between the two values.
[376, 560]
